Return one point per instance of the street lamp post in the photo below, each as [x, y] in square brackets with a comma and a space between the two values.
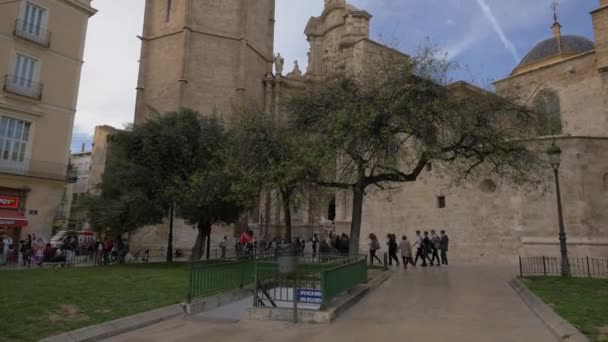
[555, 153]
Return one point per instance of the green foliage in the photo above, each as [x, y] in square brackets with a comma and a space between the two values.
[208, 196]
[270, 155]
[175, 158]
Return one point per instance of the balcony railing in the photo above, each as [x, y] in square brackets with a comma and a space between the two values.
[32, 33]
[23, 87]
[38, 169]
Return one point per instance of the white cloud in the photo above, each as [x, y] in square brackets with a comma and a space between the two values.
[487, 11]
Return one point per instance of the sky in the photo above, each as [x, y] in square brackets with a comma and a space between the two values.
[486, 38]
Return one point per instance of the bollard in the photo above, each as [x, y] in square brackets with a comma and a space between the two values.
[385, 261]
[544, 266]
[588, 269]
[521, 270]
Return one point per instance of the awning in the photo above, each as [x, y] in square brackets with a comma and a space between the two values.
[12, 218]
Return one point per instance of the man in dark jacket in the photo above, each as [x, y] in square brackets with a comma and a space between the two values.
[445, 241]
[426, 248]
[435, 247]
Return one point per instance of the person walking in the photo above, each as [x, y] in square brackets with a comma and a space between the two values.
[420, 251]
[7, 246]
[426, 247]
[3, 251]
[435, 246]
[406, 252]
[315, 245]
[445, 241]
[223, 246]
[392, 249]
[344, 244]
[374, 246]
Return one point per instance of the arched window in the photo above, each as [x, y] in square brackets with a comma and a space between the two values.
[548, 111]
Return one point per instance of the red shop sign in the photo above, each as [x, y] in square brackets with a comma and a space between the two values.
[9, 202]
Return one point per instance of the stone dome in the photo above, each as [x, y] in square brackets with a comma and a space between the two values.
[571, 45]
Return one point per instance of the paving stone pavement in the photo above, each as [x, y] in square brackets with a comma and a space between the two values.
[459, 303]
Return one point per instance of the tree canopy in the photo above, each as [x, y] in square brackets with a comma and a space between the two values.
[273, 156]
[176, 160]
[385, 125]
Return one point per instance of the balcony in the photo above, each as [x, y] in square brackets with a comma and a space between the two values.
[32, 33]
[38, 169]
[23, 87]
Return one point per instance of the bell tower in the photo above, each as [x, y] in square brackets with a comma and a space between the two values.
[206, 55]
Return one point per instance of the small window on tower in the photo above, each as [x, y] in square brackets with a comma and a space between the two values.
[440, 202]
[169, 6]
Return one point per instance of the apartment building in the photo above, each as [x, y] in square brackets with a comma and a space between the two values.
[80, 168]
[41, 51]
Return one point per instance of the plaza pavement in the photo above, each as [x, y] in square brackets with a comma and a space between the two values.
[458, 303]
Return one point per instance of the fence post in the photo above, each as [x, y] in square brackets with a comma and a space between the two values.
[323, 301]
[189, 295]
[588, 268]
[521, 270]
[385, 262]
[255, 284]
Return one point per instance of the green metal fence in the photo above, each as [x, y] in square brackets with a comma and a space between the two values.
[209, 278]
[331, 275]
[340, 278]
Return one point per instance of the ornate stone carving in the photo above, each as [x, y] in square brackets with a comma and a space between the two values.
[278, 63]
[350, 24]
[296, 72]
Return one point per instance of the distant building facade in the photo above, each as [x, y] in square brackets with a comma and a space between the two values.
[214, 56]
[80, 167]
[565, 79]
[41, 50]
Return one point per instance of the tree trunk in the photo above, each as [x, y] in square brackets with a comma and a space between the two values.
[286, 197]
[170, 242]
[355, 227]
[204, 231]
[208, 251]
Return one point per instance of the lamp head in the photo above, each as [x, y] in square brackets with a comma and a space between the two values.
[555, 155]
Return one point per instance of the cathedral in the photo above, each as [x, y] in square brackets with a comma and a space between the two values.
[211, 55]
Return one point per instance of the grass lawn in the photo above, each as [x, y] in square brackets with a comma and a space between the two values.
[39, 303]
[583, 302]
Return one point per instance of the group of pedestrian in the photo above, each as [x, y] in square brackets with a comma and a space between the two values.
[110, 251]
[433, 248]
[22, 253]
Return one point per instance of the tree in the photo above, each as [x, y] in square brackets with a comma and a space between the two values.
[209, 196]
[150, 165]
[271, 156]
[384, 125]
